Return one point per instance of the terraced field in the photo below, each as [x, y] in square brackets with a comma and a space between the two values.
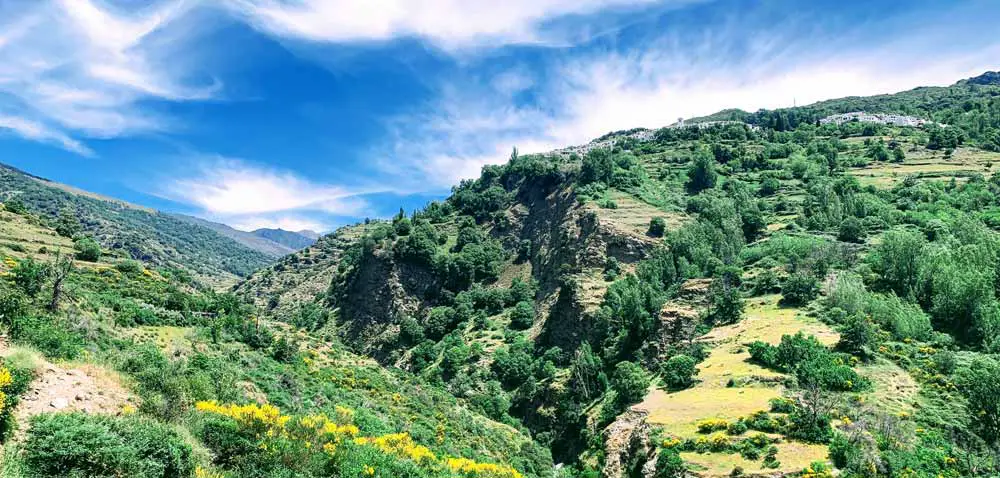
[730, 387]
[930, 164]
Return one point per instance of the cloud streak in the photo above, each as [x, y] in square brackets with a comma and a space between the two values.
[249, 196]
[450, 24]
[736, 63]
[84, 68]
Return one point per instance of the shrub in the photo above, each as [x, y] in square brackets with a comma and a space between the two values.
[523, 315]
[712, 424]
[13, 305]
[630, 381]
[87, 249]
[657, 227]
[679, 371]
[859, 337]
[799, 288]
[851, 230]
[49, 336]
[769, 186]
[30, 275]
[81, 445]
[129, 266]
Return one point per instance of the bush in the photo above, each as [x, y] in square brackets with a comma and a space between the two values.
[87, 249]
[81, 445]
[679, 371]
[523, 315]
[799, 289]
[630, 381]
[30, 275]
[130, 267]
[657, 227]
[13, 305]
[851, 230]
[769, 186]
[50, 337]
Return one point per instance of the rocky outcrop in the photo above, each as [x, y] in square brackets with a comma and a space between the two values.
[629, 450]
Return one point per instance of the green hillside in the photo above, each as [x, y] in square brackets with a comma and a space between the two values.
[132, 232]
[767, 296]
[555, 289]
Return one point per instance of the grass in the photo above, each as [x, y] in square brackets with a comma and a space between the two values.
[753, 386]
[166, 337]
[632, 215]
[895, 390]
[793, 456]
[929, 164]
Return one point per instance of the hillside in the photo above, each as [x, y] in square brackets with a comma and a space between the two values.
[731, 299]
[158, 378]
[638, 308]
[294, 240]
[252, 240]
[134, 232]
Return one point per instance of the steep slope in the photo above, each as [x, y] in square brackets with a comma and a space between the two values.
[553, 288]
[138, 351]
[290, 239]
[130, 231]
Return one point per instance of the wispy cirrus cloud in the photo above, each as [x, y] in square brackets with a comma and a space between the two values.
[247, 196]
[447, 23]
[83, 68]
[39, 132]
[736, 62]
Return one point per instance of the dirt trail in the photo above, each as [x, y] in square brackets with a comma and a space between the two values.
[70, 387]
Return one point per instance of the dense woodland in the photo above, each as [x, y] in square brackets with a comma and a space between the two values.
[542, 308]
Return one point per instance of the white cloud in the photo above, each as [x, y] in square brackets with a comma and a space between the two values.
[589, 94]
[83, 67]
[447, 23]
[247, 196]
[288, 223]
[38, 132]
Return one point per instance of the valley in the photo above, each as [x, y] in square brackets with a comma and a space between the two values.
[768, 295]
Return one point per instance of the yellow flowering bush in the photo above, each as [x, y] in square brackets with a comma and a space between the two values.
[710, 425]
[297, 441]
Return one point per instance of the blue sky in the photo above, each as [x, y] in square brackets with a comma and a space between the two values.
[311, 114]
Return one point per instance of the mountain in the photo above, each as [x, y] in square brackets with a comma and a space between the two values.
[289, 239]
[641, 307]
[161, 378]
[767, 295]
[127, 230]
[252, 240]
[988, 78]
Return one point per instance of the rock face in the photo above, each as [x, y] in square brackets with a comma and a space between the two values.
[629, 450]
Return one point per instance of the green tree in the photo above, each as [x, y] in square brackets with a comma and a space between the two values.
[859, 337]
[769, 186]
[799, 288]
[630, 382]
[657, 227]
[87, 249]
[67, 225]
[725, 297]
[701, 173]
[679, 371]
[981, 387]
[896, 260]
[523, 315]
[851, 230]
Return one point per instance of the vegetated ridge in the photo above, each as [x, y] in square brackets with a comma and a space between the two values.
[768, 296]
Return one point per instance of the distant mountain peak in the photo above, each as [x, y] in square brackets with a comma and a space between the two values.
[987, 78]
[290, 239]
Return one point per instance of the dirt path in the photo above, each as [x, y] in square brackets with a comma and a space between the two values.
[70, 387]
